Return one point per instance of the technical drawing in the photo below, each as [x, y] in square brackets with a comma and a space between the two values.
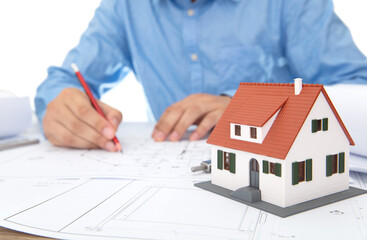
[139, 209]
[159, 202]
[142, 158]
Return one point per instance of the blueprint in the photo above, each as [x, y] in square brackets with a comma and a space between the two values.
[147, 193]
[155, 209]
[141, 158]
[358, 163]
[16, 191]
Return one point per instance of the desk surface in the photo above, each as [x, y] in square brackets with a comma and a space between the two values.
[7, 234]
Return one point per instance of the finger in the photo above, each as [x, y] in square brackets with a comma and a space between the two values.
[62, 137]
[81, 129]
[114, 116]
[187, 119]
[208, 122]
[166, 123]
[81, 107]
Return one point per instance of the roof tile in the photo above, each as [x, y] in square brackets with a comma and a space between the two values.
[255, 103]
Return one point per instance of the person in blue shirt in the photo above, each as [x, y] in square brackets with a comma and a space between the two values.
[190, 56]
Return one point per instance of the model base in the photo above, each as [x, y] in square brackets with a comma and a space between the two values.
[288, 211]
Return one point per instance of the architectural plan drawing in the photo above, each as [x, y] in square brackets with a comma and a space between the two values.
[357, 163]
[142, 158]
[14, 191]
[148, 193]
[140, 209]
[358, 180]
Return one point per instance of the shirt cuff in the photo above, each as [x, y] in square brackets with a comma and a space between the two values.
[229, 93]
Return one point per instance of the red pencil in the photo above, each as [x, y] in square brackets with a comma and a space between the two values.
[93, 100]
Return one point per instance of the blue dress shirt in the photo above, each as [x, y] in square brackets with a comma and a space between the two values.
[177, 48]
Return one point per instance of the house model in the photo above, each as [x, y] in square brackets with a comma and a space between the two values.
[283, 144]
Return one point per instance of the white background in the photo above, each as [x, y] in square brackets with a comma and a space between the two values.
[38, 33]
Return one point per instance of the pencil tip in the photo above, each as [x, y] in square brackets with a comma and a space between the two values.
[118, 147]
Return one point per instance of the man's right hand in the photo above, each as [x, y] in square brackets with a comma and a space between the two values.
[71, 121]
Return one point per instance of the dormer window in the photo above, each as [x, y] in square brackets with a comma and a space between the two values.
[320, 124]
[237, 130]
[253, 120]
[253, 133]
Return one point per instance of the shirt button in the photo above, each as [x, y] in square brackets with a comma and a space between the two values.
[194, 57]
[190, 12]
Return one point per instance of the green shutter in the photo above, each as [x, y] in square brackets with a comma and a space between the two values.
[278, 169]
[232, 163]
[308, 170]
[294, 173]
[325, 124]
[341, 162]
[265, 166]
[314, 125]
[329, 163]
[220, 159]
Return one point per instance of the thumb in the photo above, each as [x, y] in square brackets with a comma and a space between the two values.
[114, 116]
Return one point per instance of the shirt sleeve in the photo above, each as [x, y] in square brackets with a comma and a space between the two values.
[318, 46]
[102, 56]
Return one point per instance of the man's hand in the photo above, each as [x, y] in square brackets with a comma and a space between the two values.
[71, 121]
[201, 109]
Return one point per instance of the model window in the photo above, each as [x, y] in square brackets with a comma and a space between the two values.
[265, 166]
[301, 171]
[237, 130]
[253, 132]
[320, 124]
[275, 168]
[335, 163]
[325, 124]
[272, 168]
[226, 161]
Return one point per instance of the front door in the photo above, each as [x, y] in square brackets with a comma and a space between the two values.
[254, 173]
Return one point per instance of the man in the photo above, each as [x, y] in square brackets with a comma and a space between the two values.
[190, 56]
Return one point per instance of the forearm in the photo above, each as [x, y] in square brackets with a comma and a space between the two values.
[51, 88]
[102, 56]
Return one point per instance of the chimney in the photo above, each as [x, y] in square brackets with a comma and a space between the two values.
[297, 86]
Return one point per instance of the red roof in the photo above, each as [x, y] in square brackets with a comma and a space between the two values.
[256, 110]
[255, 103]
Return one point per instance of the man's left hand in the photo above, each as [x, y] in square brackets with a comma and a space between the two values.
[201, 109]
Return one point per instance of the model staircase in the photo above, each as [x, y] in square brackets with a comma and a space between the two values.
[248, 194]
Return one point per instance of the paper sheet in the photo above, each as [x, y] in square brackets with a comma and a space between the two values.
[14, 192]
[357, 163]
[15, 115]
[350, 102]
[142, 158]
[138, 209]
[147, 193]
